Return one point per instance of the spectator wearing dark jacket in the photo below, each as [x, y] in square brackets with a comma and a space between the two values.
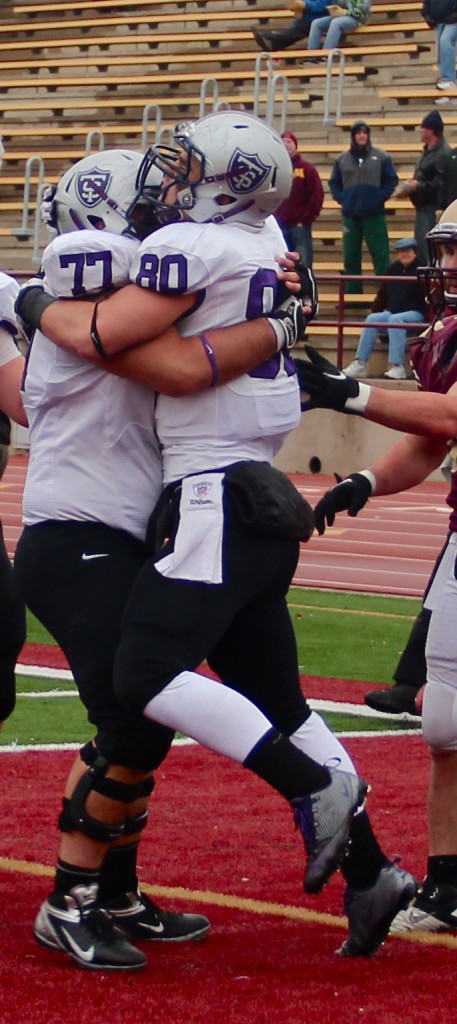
[427, 188]
[299, 28]
[397, 302]
[362, 179]
[442, 16]
[304, 203]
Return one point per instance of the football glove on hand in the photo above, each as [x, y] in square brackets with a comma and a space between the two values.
[308, 290]
[48, 210]
[288, 322]
[326, 387]
[350, 494]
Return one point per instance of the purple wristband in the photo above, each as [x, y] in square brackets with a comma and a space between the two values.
[211, 359]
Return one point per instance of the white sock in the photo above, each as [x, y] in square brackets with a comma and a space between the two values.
[316, 740]
[213, 714]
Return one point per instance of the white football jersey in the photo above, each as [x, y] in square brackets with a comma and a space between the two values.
[233, 271]
[94, 452]
[8, 323]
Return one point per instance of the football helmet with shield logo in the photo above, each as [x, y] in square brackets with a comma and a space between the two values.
[96, 193]
[227, 167]
[440, 283]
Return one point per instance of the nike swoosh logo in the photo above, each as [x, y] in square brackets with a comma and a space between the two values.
[87, 558]
[84, 954]
[336, 375]
[152, 927]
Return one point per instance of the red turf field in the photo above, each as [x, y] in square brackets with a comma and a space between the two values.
[221, 842]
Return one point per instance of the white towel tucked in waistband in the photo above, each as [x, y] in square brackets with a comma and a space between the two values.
[198, 544]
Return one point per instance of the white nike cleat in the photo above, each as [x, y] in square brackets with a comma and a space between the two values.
[139, 918]
[75, 924]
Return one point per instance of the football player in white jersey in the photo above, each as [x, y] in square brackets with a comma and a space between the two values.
[95, 472]
[218, 587]
[12, 609]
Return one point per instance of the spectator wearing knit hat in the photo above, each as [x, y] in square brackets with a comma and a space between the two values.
[296, 214]
[361, 181]
[427, 188]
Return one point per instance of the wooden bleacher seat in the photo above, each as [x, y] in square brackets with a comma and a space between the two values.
[51, 83]
[403, 95]
[79, 5]
[53, 64]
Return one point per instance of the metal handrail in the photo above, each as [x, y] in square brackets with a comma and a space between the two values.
[328, 118]
[340, 323]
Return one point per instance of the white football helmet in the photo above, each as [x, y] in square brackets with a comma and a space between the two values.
[440, 284]
[227, 166]
[97, 192]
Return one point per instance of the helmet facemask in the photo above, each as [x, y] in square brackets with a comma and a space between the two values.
[227, 165]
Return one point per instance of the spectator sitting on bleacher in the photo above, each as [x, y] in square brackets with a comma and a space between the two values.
[296, 214]
[306, 12]
[396, 302]
[343, 17]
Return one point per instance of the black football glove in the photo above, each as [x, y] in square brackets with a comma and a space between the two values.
[289, 322]
[308, 294]
[350, 494]
[326, 387]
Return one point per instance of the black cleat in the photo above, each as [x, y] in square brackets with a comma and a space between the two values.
[433, 910]
[370, 912]
[75, 924]
[397, 700]
[324, 819]
[261, 40]
[137, 917]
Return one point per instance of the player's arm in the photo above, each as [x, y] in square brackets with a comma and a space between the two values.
[11, 370]
[418, 412]
[10, 383]
[128, 317]
[407, 463]
[413, 412]
[177, 366]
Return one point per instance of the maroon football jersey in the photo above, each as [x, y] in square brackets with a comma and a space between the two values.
[434, 361]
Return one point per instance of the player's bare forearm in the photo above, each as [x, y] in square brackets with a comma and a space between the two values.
[407, 463]
[128, 317]
[424, 413]
[177, 366]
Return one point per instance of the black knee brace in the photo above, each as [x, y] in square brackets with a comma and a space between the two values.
[74, 817]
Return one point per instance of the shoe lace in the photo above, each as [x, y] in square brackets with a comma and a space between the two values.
[100, 924]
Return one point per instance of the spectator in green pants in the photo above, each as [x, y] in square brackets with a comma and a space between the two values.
[362, 179]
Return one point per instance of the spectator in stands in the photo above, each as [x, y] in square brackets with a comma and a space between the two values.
[343, 17]
[297, 213]
[427, 188]
[442, 16]
[306, 12]
[396, 302]
[362, 179]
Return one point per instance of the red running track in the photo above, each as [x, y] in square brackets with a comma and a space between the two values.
[390, 548]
